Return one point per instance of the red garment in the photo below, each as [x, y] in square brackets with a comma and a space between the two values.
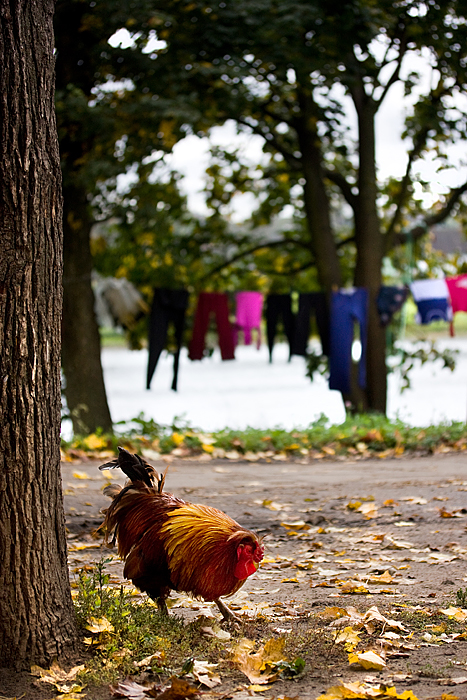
[458, 292]
[208, 303]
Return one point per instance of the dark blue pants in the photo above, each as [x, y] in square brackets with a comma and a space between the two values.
[307, 303]
[346, 309]
[279, 306]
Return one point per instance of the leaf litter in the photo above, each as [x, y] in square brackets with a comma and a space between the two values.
[358, 556]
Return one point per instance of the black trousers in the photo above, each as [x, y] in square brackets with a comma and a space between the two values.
[168, 306]
[279, 306]
[308, 303]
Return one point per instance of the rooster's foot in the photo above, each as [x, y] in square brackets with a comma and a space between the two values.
[227, 614]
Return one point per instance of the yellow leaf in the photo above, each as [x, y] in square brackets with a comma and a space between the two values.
[80, 475]
[259, 667]
[352, 587]
[354, 505]
[297, 525]
[369, 510]
[94, 442]
[383, 578]
[207, 448]
[349, 637]
[367, 659]
[177, 438]
[458, 614]
[333, 613]
[97, 626]
[204, 673]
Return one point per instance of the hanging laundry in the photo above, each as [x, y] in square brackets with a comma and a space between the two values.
[347, 308]
[118, 298]
[389, 300]
[432, 300]
[168, 306]
[212, 303]
[279, 306]
[457, 287]
[307, 303]
[249, 308]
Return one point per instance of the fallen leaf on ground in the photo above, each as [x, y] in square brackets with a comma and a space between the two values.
[458, 614]
[179, 689]
[368, 660]
[349, 637]
[99, 625]
[364, 690]
[259, 667]
[452, 681]
[58, 677]
[204, 673]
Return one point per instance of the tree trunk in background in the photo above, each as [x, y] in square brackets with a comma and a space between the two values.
[81, 351]
[316, 202]
[37, 620]
[370, 251]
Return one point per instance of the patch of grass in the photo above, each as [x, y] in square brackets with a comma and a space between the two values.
[365, 435]
[461, 597]
[120, 632]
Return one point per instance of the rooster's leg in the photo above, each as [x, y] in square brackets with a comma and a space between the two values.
[162, 605]
[227, 614]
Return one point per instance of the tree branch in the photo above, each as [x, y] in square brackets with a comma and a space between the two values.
[260, 246]
[344, 186]
[396, 72]
[418, 231]
[293, 162]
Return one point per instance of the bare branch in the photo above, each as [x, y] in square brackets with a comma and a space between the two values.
[396, 72]
[292, 160]
[344, 186]
[249, 251]
[404, 187]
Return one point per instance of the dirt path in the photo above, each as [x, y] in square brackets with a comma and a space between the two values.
[346, 535]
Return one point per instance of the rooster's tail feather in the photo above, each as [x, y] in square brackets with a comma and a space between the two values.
[136, 469]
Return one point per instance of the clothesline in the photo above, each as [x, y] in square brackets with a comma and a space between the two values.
[435, 300]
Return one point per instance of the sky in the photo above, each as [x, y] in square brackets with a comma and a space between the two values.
[191, 155]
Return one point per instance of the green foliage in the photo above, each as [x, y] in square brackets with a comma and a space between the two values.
[461, 597]
[132, 630]
[367, 434]
[418, 354]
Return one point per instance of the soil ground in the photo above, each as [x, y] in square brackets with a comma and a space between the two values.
[331, 529]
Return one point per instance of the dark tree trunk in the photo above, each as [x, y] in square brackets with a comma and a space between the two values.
[370, 251]
[316, 200]
[84, 387]
[81, 352]
[36, 621]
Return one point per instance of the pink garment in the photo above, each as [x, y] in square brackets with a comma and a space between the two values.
[248, 315]
[458, 292]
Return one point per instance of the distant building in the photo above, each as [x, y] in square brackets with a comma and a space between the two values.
[449, 238]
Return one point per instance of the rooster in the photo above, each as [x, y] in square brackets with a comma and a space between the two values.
[169, 544]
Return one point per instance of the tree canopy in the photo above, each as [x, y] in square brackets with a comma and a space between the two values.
[309, 78]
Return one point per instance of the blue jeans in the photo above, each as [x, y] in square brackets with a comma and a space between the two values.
[346, 309]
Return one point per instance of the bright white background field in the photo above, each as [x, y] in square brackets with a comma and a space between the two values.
[251, 392]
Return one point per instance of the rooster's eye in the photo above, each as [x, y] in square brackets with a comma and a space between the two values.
[244, 551]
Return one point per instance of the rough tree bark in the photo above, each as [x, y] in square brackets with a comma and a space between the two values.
[36, 621]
